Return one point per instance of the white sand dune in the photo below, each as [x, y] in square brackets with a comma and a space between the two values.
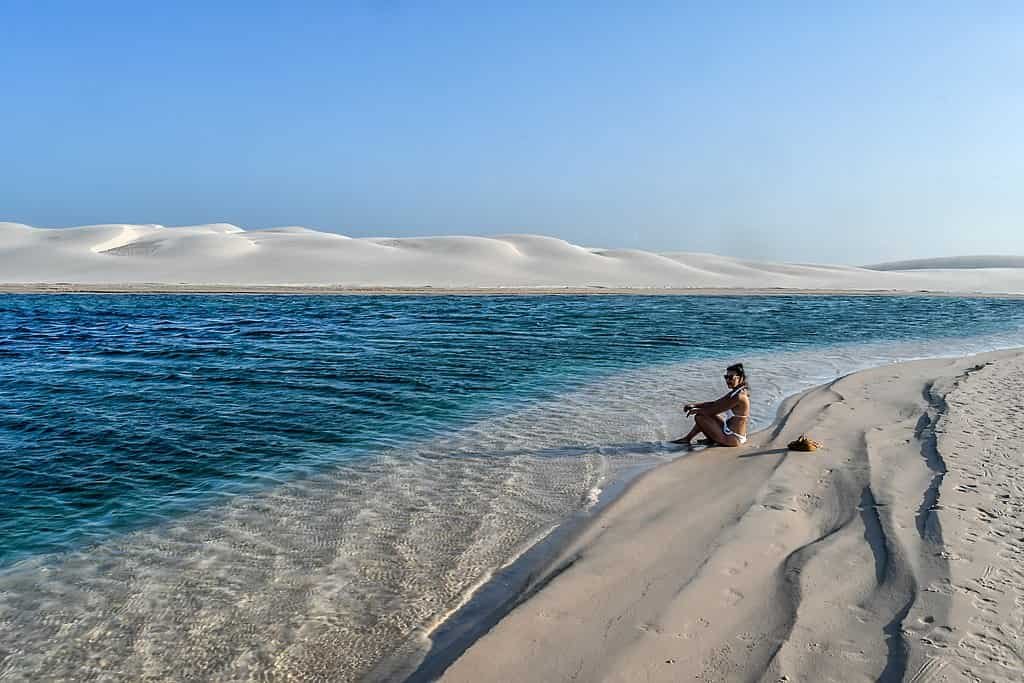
[221, 254]
[954, 262]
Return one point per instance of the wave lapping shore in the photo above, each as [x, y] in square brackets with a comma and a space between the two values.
[892, 554]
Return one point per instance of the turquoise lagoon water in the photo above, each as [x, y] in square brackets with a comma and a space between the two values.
[289, 486]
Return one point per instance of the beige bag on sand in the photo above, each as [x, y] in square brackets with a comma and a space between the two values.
[804, 443]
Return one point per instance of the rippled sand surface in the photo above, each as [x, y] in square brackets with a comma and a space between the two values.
[892, 553]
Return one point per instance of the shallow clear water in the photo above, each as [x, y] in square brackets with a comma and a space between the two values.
[294, 486]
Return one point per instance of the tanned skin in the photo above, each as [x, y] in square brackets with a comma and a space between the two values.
[707, 416]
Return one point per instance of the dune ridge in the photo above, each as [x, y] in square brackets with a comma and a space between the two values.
[954, 262]
[226, 255]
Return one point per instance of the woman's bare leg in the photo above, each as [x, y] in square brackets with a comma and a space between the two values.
[689, 437]
[712, 428]
[698, 429]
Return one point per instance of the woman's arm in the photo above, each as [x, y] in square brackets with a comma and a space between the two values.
[694, 408]
[723, 404]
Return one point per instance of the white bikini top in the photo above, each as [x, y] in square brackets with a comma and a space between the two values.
[732, 394]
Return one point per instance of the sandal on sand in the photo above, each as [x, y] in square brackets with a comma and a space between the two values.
[804, 443]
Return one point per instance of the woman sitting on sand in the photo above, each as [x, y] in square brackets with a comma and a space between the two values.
[732, 429]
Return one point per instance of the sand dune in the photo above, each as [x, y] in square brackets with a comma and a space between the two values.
[893, 554]
[221, 254]
[953, 262]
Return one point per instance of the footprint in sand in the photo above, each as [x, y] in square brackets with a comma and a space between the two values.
[732, 597]
[929, 670]
[855, 655]
[860, 614]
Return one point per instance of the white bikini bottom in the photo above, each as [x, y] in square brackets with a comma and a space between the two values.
[728, 432]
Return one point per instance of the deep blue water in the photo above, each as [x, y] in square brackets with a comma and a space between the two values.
[121, 411]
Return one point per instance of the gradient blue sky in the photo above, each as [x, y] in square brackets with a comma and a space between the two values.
[785, 131]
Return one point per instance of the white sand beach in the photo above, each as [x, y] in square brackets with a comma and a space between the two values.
[221, 257]
[892, 554]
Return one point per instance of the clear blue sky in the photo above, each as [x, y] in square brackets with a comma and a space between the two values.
[778, 130]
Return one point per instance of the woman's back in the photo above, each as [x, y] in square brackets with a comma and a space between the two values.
[736, 417]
